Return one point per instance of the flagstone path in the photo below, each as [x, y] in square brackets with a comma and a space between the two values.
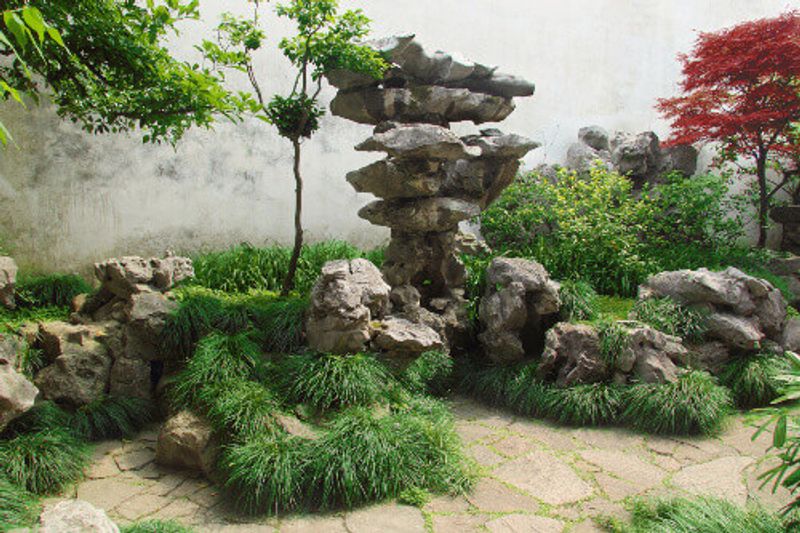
[536, 477]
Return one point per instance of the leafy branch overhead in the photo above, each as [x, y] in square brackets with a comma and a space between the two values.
[105, 65]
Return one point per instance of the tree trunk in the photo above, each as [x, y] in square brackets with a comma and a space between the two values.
[763, 198]
[288, 282]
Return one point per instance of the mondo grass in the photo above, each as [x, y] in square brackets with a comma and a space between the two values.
[51, 290]
[583, 405]
[156, 526]
[694, 404]
[578, 301]
[699, 515]
[43, 416]
[666, 315]
[754, 380]
[613, 341]
[243, 408]
[327, 381]
[44, 462]
[429, 373]
[112, 417]
[219, 358]
[18, 507]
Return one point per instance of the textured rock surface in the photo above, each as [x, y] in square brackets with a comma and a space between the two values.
[403, 337]
[186, 441]
[651, 355]
[345, 299]
[431, 181]
[743, 310]
[8, 277]
[17, 394]
[130, 275]
[75, 516]
[521, 301]
[572, 355]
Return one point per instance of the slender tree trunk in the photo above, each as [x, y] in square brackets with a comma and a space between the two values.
[288, 282]
[763, 198]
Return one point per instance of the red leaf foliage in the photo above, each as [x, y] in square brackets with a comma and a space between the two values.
[741, 86]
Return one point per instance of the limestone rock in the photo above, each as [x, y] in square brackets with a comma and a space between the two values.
[130, 377]
[346, 79]
[144, 316]
[422, 215]
[426, 261]
[8, 277]
[345, 299]
[419, 141]
[594, 137]
[636, 155]
[652, 355]
[520, 302]
[498, 84]
[583, 158]
[391, 179]
[17, 394]
[403, 337]
[494, 144]
[735, 331]
[186, 441]
[80, 363]
[572, 355]
[429, 104]
[791, 335]
[131, 275]
[711, 356]
[681, 158]
[75, 516]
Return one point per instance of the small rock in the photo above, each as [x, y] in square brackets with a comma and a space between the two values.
[594, 137]
[401, 336]
[17, 394]
[186, 441]
[75, 516]
[572, 355]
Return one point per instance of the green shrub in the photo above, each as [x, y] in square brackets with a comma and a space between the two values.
[327, 381]
[415, 497]
[44, 462]
[578, 301]
[43, 416]
[668, 316]
[242, 408]
[112, 417]
[245, 268]
[754, 379]
[156, 526]
[700, 515]
[219, 358]
[429, 373]
[694, 404]
[265, 473]
[52, 290]
[583, 405]
[18, 507]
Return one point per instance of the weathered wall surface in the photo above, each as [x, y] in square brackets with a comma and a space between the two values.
[67, 198]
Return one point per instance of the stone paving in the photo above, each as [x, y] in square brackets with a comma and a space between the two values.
[536, 477]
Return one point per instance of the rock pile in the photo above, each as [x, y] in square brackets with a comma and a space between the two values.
[745, 314]
[431, 180]
[639, 156]
[111, 345]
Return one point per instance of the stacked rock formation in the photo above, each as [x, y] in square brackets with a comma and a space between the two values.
[432, 179]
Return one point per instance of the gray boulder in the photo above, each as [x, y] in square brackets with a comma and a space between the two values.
[520, 302]
[636, 155]
[594, 137]
[392, 179]
[790, 339]
[17, 394]
[130, 377]
[8, 278]
[126, 276]
[345, 299]
[735, 331]
[75, 516]
[711, 356]
[651, 355]
[572, 356]
[583, 158]
[185, 441]
[402, 337]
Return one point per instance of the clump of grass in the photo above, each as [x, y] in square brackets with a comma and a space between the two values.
[243, 408]
[18, 507]
[583, 405]
[695, 404]
[43, 416]
[31, 360]
[44, 462]
[363, 458]
[754, 379]
[219, 358]
[265, 473]
[415, 496]
[613, 341]
[699, 515]
[156, 526]
[51, 290]
[578, 301]
[490, 384]
[429, 373]
[668, 316]
[12, 320]
[112, 417]
[327, 381]
[280, 324]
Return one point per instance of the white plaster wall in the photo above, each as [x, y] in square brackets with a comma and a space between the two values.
[67, 198]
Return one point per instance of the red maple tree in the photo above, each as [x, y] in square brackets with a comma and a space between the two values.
[741, 88]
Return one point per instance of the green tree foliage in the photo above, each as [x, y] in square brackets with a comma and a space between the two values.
[104, 64]
[325, 40]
